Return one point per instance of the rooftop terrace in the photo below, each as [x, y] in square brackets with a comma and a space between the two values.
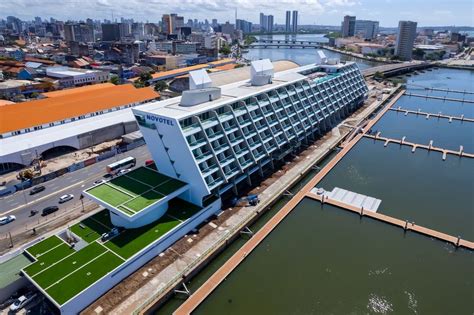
[136, 190]
[63, 272]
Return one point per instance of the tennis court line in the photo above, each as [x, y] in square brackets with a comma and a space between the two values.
[43, 270]
[123, 203]
[41, 254]
[119, 189]
[138, 181]
[173, 217]
[60, 280]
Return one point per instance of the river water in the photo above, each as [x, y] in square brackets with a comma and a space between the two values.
[301, 56]
[324, 260]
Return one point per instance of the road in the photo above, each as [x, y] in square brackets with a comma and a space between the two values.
[21, 203]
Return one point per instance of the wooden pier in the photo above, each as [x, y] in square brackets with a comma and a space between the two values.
[407, 226]
[415, 146]
[443, 98]
[429, 115]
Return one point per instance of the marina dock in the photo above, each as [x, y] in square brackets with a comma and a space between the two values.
[443, 98]
[415, 146]
[429, 115]
[407, 226]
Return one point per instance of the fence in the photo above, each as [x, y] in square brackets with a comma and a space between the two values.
[71, 168]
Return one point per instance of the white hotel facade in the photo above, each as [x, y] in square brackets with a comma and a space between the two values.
[213, 138]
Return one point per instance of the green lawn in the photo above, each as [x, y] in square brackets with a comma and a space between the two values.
[109, 194]
[129, 185]
[169, 186]
[132, 241]
[143, 201]
[148, 176]
[84, 277]
[44, 245]
[64, 272]
[181, 209]
[136, 190]
[68, 265]
[49, 258]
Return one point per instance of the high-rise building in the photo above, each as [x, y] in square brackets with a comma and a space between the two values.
[270, 24]
[405, 39]
[110, 32]
[295, 22]
[176, 23]
[125, 29]
[348, 26]
[166, 24]
[228, 28]
[244, 26]
[288, 22]
[263, 22]
[78, 32]
[366, 29]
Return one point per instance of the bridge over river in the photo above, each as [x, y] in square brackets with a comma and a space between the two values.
[282, 43]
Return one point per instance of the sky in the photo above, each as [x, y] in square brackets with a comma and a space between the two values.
[325, 12]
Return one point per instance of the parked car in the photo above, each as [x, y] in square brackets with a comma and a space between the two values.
[112, 233]
[149, 162]
[65, 198]
[21, 302]
[7, 219]
[99, 181]
[49, 210]
[121, 172]
[37, 189]
[107, 176]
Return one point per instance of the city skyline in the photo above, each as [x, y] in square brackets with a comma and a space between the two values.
[324, 12]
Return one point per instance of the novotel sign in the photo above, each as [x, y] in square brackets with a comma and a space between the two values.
[160, 120]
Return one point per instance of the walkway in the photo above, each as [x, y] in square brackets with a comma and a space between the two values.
[440, 90]
[407, 226]
[428, 115]
[414, 146]
[444, 98]
[195, 299]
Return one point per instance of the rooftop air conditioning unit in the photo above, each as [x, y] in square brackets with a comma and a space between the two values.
[261, 72]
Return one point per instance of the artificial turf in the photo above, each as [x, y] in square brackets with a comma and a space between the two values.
[128, 184]
[93, 227]
[44, 245]
[49, 258]
[64, 267]
[136, 190]
[148, 176]
[143, 201]
[131, 241]
[64, 275]
[109, 194]
[169, 186]
[79, 280]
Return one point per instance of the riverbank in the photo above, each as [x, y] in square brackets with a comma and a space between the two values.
[360, 56]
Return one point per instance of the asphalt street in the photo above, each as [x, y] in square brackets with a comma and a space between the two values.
[21, 203]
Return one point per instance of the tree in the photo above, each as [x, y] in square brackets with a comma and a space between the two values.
[161, 86]
[143, 80]
[418, 53]
[115, 80]
[379, 75]
[225, 50]
[249, 39]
